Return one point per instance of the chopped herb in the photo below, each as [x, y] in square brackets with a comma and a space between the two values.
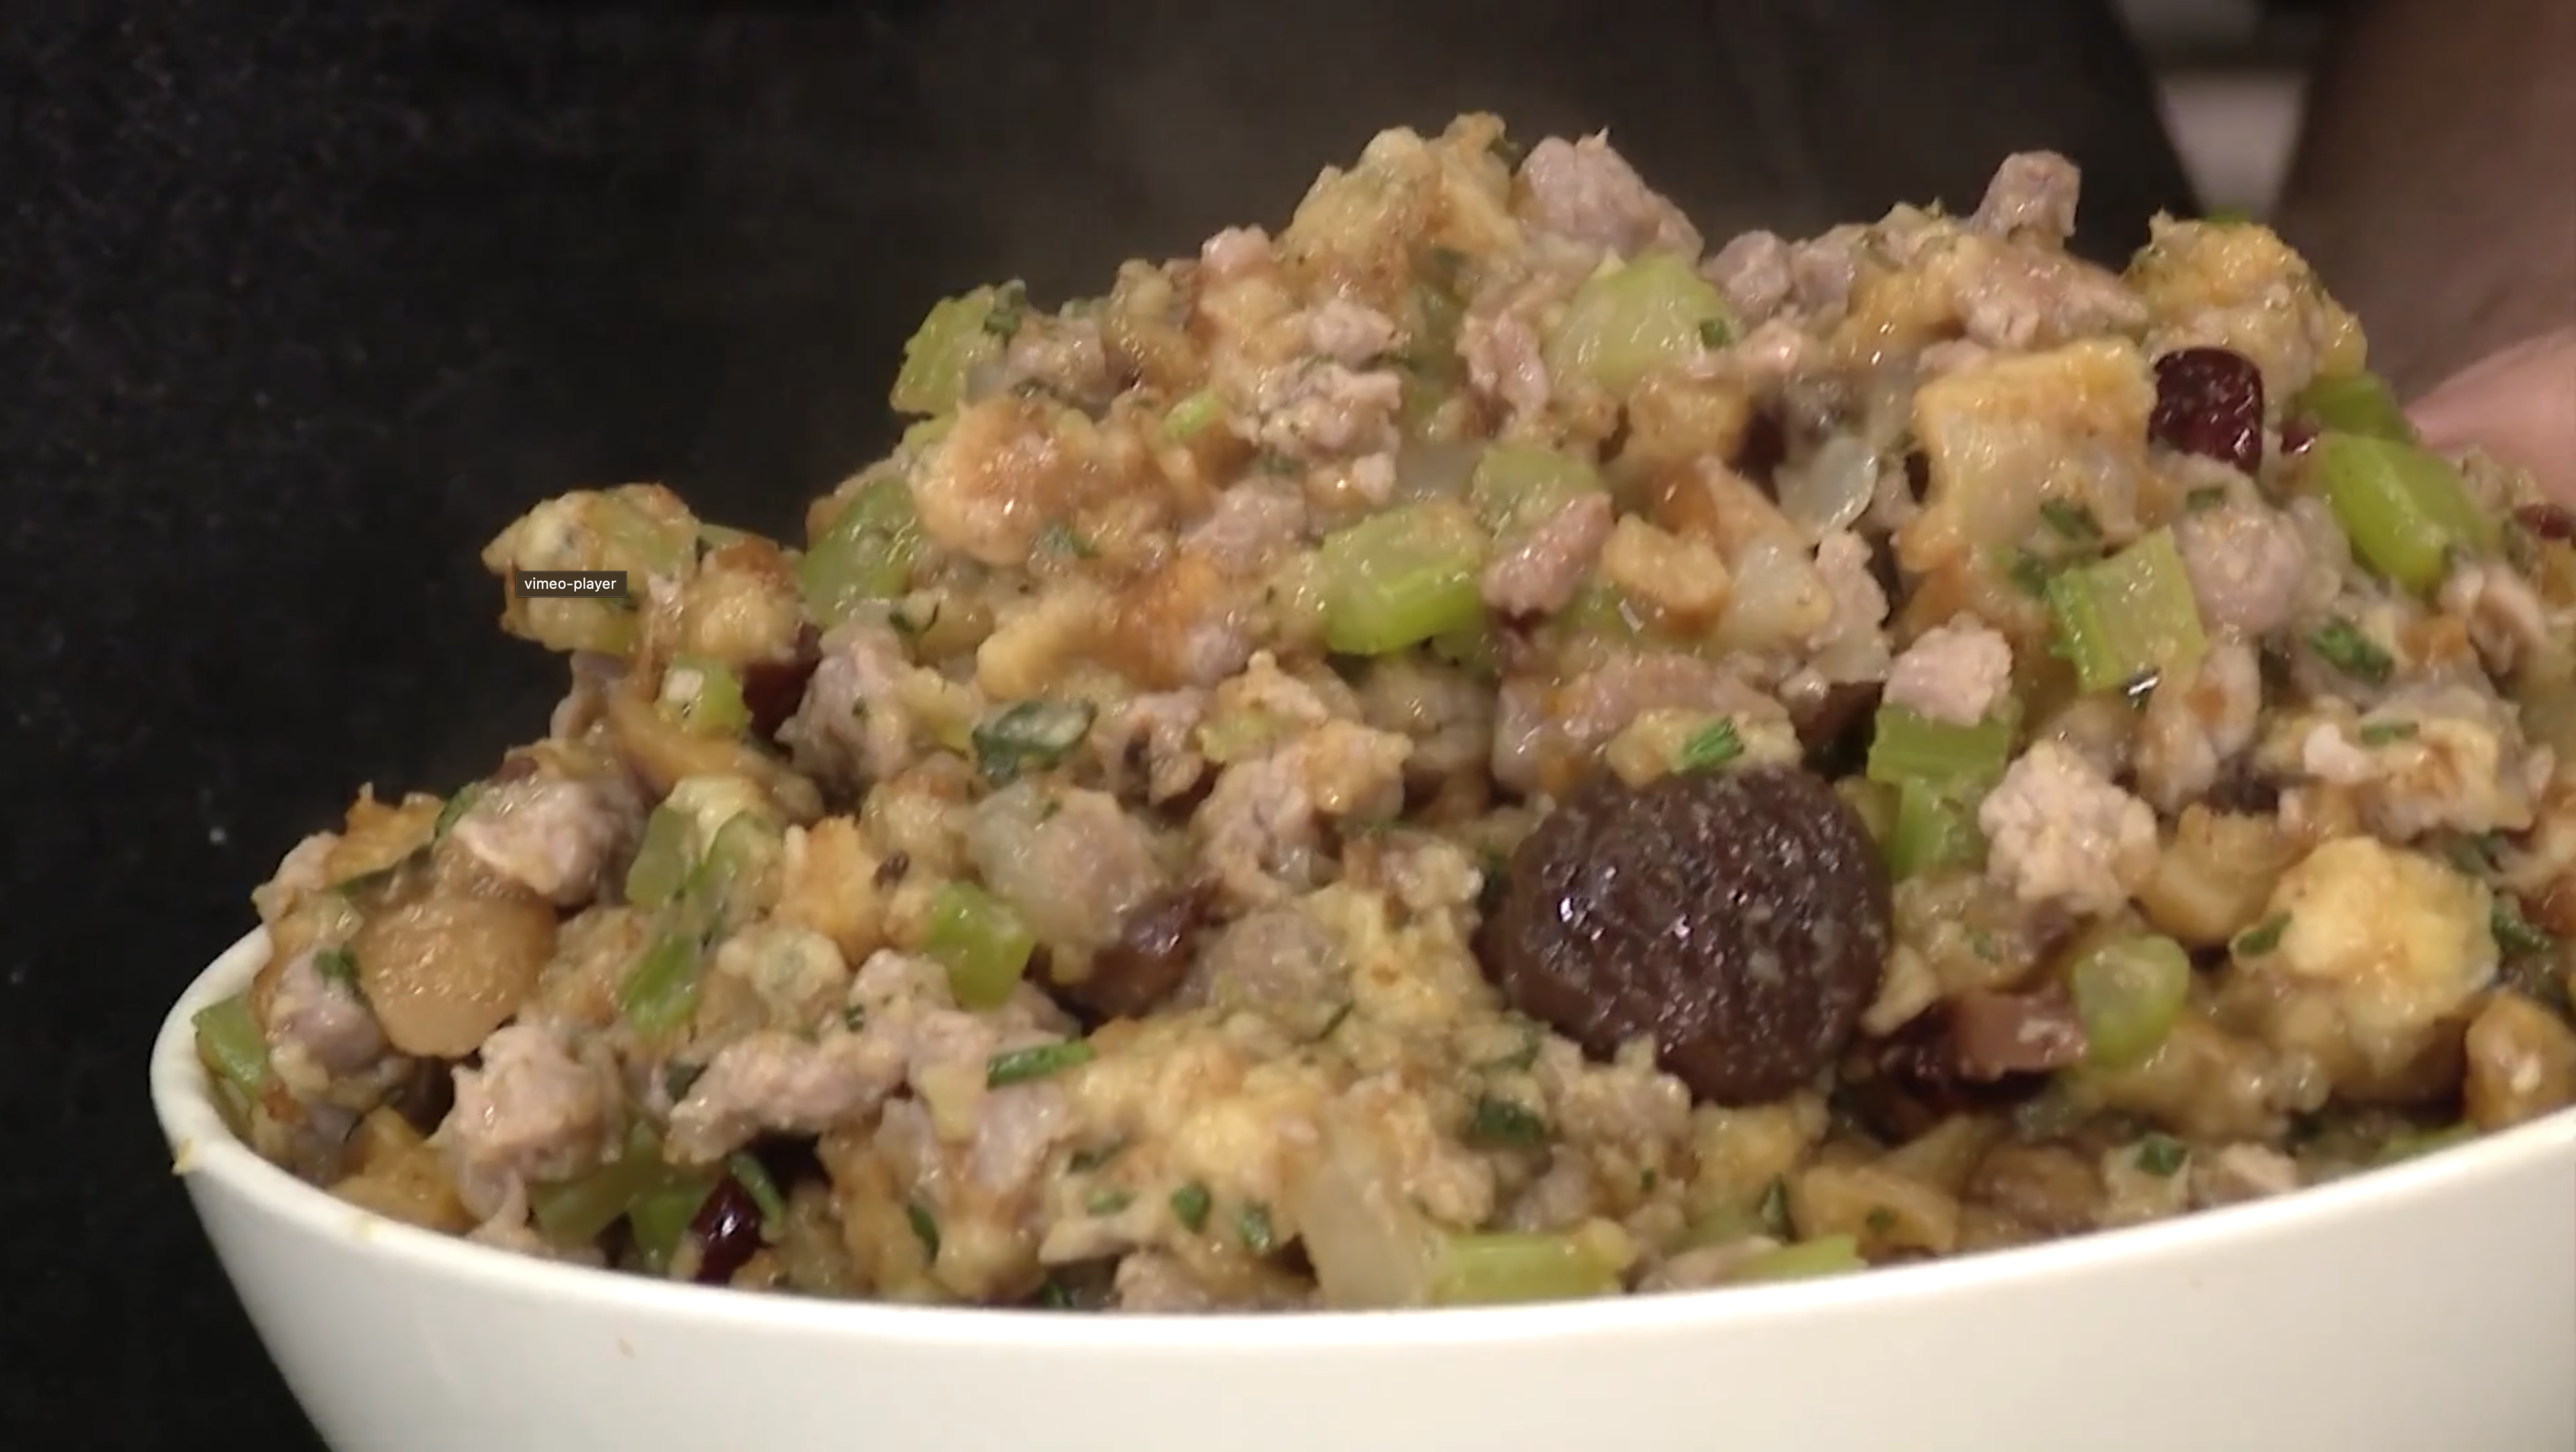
[1019, 1066]
[1274, 463]
[1029, 736]
[2475, 854]
[1060, 539]
[1715, 333]
[1334, 1022]
[1647, 1179]
[753, 1176]
[1774, 1209]
[1880, 1220]
[2517, 935]
[2161, 1155]
[1190, 1205]
[1010, 308]
[1507, 151]
[2200, 500]
[1086, 1161]
[1252, 1222]
[2340, 643]
[2070, 520]
[2263, 937]
[2028, 572]
[1109, 1202]
[855, 1017]
[1501, 1124]
[1056, 1296]
[679, 1077]
[924, 1228]
[456, 808]
[1981, 942]
[1711, 747]
[2381, 733]
[337, 965]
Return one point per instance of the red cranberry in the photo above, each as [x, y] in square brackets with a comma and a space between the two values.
[2297, 434]
[2209, 401]
[2547, 521]
[1906, 1083]
[726, 1231]
[772, 690]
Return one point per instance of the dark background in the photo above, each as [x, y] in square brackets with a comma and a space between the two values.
[300, 302]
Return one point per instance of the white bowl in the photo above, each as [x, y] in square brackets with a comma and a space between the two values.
[2427, 1306]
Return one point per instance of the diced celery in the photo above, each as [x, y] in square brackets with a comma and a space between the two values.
[1471, 650]
[1826, 1255]
[2354, 403]
[1029, 736]
[661, 1213]
[866, 554]
[1602, 611]
[1932, 830]
[1191, 416]
[744, 847]
[704, 696]
[756, 1182]
[1401, 577]
[1625, 321]
[2404, 508]
[1515, 485]
[982, 942]
[2415, 1143]
[1500, 1267]
[2128, 994]
[230, 1043]
[1908, 746]
[663, 860]
[2128, 617]
[950, 344]
[573, 1212]
[661, 991]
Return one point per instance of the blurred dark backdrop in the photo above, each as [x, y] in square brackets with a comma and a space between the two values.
[301, 301]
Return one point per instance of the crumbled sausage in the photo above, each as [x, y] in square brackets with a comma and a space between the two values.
[2058, 831]
[1954, 673]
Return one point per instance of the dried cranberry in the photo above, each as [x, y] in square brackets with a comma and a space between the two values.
[2297, 434]
[772, 690]
[2547, 521]
[2209, 401]
[1150, 955]
[1904, 1084]
[726, 1231]
[1764, 448]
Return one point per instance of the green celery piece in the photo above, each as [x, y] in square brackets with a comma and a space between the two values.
[866, 555]
[717, 708]
[661, 991]
[951, 343]
[1625, 321]
[1826, 1255]
[660, 1215]
[230, 1042]
[1191, 416]
[573, 1212]
[1503, 1267]
[2404, 508]
[1515, 486]
[1907, 746]
[2354, 403]
[663, 859]
[2128, 995]
[982, 942]
[1401, 577]
[1933, 830]
[2129, 616]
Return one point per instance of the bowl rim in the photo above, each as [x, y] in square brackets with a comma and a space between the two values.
[201, 1145]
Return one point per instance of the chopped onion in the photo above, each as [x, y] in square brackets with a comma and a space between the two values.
[1831, 487]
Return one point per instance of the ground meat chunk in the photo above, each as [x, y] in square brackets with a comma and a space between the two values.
[2015, 298]
[1953, 673]
[1235, 251]
[2504, 613]
[1822, 273]
[1273, 961]
[594, 676]
[851, 728]
[1538, 723]
[2239, 1173]
[1250, 526]
[1070, 861]
[1062, 356]
[530, 1112]
[1538, 573]
[1349, 333]
[1326, 410]
[1585, 192]
[1260, 829]
[556, 836]
[2033, 193]
[1753, 272]
[319, 1030]
[2060, 832]
[778, 1081]
[1154, 735]
[1150, 1281]
[2247, 565]
[1504, 362]
[2196, 723]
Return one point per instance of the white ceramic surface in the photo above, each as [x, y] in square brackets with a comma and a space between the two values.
[2428, 1306]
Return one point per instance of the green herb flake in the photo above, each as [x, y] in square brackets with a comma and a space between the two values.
[2161, 1155]
[1711, 747]
[1500, 1124]
[1109, 1202]
[1774, 1209]
[679, 1077]
[1086, 1161]
[1340, 1016]
[2028, 572]
[855, 1017]
[924, 1228]
[2383, 733]
[1019, 1066]
[1029, 736]
[455, 809]
[1714, 333]
[1647, 1179]
[2070, 521]
[337, 966]
[2515, 934]
[1190, 1206]
[2200, 501]
[1010, 308]
[2261, 938]
[1059, 539]
[753, 1176]
[1881, 1221]
[2340, 644]
[1252, 1224]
